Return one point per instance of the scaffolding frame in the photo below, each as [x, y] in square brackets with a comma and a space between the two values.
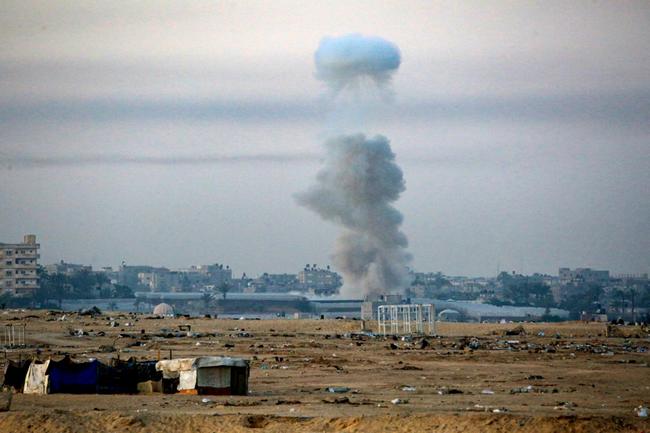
[406, 319]
[14, 335]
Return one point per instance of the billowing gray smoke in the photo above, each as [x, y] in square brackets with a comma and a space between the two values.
[355, 189]
[359, 180]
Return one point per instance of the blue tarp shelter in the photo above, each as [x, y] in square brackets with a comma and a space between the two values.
[67, 376]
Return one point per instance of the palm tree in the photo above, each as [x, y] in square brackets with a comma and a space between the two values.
[207, 300]
[224, 288]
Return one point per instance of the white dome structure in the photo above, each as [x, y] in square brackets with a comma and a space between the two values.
[163, 310]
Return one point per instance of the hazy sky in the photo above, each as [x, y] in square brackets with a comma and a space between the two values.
[175, 133]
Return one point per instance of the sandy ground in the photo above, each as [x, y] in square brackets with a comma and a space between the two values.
[471, 378]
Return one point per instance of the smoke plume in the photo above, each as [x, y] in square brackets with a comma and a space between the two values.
[359, 179]
[348, 61]
[355, 188]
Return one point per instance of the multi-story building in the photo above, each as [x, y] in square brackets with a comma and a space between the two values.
[276, 283]
[160, 280]
[67, 268]
[18, 267]
[583, 275]
[202, 276]
[128, 275]
[319, 281]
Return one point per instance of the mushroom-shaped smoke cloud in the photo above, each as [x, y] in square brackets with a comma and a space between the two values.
[347, 60]
[360, 180]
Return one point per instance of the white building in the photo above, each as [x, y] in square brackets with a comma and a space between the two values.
[18, 267]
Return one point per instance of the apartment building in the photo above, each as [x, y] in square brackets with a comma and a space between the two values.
[18, 267]
[585, 275]
[319, 281]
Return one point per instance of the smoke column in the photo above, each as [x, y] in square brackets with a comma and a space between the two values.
[359, 179]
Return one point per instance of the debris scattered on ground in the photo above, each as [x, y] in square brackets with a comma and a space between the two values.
[445, 391]
[94, 311]
[338, 389]
[518, 330]
[522, 390]
[339, 400]
[408, 367]
[565, 405]
[237, 403]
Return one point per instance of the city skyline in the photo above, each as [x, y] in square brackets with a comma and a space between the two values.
[522, 131]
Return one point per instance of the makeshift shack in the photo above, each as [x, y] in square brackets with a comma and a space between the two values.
[213, 375]
[14, 374]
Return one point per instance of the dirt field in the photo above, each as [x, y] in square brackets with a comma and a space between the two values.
[471, 378]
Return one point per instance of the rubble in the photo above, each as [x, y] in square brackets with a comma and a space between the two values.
[338, 389]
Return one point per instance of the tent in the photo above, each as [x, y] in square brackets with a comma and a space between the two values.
[214, 375]
[119, 377]
[124, 377]
[92, 377]
[36, 379]
[68, 376]
[14, 374]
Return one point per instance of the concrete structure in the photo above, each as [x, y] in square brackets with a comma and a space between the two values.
[319, 281]
[370, 304]
[206, 276]
[234, 303]
[127, 275]
[66, 268]
[160, 280]
[276, 283]
[18, 267]
[583, 275]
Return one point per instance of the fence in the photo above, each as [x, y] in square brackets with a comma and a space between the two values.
[13, 335]
[406, 319]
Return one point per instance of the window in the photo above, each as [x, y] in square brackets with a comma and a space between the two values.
[8, 273]
[8, 262]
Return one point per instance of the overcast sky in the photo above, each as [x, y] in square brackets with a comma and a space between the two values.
[175, 133]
